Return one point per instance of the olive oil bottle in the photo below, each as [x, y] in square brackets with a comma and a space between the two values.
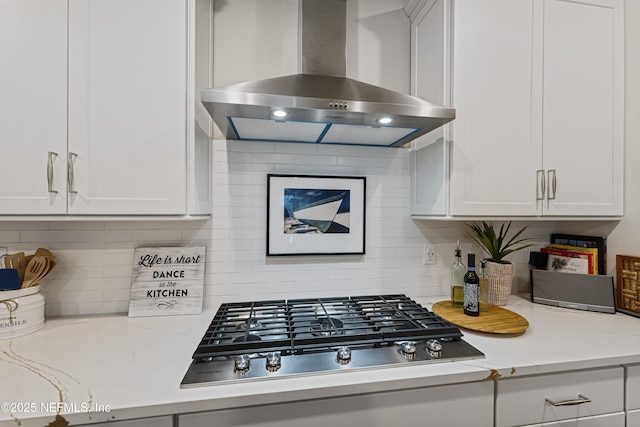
[484, 287]
[458, 271]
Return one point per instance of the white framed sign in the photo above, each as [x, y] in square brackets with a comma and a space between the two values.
[167, 281]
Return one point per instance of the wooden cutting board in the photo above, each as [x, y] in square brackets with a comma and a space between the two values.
[497, 320]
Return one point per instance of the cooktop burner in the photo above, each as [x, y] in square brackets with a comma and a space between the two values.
[303, 336]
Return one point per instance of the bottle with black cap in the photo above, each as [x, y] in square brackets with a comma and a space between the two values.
[471, 306]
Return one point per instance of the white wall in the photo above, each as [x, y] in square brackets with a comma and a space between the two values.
[623, 240]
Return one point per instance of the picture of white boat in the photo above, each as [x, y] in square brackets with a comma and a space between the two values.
[316, 211]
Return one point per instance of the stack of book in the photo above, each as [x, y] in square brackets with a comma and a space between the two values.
[570, 253]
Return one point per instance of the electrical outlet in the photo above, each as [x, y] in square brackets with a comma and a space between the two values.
[429, 257]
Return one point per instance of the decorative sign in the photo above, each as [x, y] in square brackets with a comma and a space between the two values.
[167, 281]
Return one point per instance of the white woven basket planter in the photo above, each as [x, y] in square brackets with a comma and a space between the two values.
[500, 279]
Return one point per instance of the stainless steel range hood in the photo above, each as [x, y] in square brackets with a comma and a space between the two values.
[322, 105]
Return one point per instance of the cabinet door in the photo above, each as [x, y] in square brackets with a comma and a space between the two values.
[165, 421]
[430, 70]
[33, 106]
[609, 420]
[127, 106]
[632, 386]
[583, 106]
[455, 405]
[523, 401]
[496, 138]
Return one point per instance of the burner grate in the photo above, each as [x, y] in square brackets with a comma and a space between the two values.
[329, 322]
[240, 328]
[299, 325]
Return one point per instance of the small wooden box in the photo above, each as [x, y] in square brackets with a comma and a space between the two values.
[628, 284]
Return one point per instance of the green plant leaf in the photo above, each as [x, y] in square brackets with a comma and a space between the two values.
[493, 244]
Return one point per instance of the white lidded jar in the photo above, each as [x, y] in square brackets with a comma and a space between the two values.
[21, 312]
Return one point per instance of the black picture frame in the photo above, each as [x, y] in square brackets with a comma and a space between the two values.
[315, 215]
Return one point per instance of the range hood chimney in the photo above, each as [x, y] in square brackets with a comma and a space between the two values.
[321, 105]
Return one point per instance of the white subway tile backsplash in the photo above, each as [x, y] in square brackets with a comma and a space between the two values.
[117, 295]
[126, 225]
[318, 160]
[262, 168]
[274, 158]
[251, 146]
[240, 157]
[156, 236]
[308, 149]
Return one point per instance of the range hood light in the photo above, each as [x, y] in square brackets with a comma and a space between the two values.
[280, 114]
[385, 120]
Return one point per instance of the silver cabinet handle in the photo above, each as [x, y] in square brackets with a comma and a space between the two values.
[552, 183]
[70, 176]
[541, 186]
[579, 401]
[50, 158]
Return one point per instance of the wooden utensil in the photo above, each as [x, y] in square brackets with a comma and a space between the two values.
[47, 253]
[18, 262]
[42, 275]
[34, 271]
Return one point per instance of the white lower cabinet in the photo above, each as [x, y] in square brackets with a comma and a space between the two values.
[632, 395]
[165, 421]
[581, 398]
[609, 420]
[469, 404]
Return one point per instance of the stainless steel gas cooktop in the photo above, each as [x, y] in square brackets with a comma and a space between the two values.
[275, 339]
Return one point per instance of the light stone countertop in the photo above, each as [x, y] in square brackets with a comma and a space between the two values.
[124, 368]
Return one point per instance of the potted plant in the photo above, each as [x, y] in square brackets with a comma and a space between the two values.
[496, 245]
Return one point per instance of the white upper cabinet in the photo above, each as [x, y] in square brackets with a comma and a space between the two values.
[33, 106]
[538, 91]
[430, 65]
[583, 102]
[125, 134]
[127, 115]
[495, 150]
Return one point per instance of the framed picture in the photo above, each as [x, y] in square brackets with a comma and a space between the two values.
[315, 215]
[628, 284]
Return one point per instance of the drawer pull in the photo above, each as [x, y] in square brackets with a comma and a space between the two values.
[552, 184]
[540, 185]
[50, 158]
[579, 401]
[70, 173]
